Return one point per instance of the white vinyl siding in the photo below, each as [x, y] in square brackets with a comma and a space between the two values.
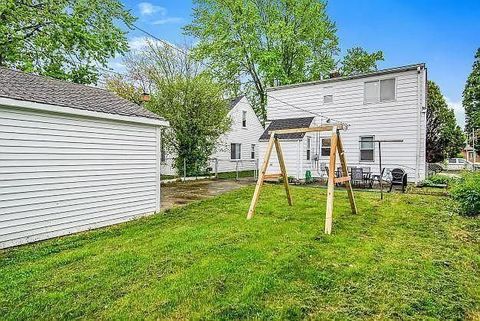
[61, 174]
[402, 118]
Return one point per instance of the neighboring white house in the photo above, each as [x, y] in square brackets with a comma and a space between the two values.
[72, 158]
[380, 105]
[238, 148]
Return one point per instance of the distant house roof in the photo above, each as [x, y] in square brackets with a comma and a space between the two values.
[40, 89]
[287, 123]
[235, 101]
[357, 76]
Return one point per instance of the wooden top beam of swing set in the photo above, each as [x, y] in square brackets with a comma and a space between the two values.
[322, 128]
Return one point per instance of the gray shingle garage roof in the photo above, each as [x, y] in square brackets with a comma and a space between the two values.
[29, 87]
[287, 123]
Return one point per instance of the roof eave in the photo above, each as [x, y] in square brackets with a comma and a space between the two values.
[9, 102]
[358, 76]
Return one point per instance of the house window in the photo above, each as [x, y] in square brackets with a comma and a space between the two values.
[379, 91]
[252, 152]
[309, 144]
[235, 151]
[328, 99]
[244, 118]
[367, 148]
[325, 148]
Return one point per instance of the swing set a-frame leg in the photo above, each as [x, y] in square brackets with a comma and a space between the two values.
[273, 140]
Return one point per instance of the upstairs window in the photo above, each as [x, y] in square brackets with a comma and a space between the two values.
[309, 145]
[325, 148]
[327, 99]
[252, 152]
[244, 119]
[367, 148]
[235, 151]
[379, 91]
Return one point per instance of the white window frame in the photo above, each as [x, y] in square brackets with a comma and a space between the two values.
[253, 154]
[244, 119]
[322, 147]
[238, 153]
[360, 149]
[379, 94]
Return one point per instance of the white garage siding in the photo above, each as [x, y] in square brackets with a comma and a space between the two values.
[61, 174]
[403, 118]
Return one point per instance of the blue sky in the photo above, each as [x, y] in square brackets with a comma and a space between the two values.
[443, 34]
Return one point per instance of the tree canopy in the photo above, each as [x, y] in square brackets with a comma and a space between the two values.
[184, 95]
[444, 137]
[255, 44]
[65, 39]
[471, 97]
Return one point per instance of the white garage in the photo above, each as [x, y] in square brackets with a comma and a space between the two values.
[72, 158]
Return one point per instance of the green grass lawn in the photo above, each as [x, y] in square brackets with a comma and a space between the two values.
[407, 257]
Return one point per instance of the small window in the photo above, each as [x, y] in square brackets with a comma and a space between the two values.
[244, 118]
[379, 91]
[252, 152]
[325, 148]
[309, 144]
[235, 151]
[367, 148]
[327, 99]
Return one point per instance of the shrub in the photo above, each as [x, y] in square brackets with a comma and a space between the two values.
[440, 179]
[467, 193]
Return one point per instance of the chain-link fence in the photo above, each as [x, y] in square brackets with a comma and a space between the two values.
[215, 168]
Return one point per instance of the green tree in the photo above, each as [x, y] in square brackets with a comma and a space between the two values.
[65, 39]
[255, 44]
[184, 95]
[444, 137]
[358, 60]
[471, 97]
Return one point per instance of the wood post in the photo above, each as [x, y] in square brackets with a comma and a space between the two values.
[261, 177]
[283, 169]
[331, 182]
[348, 185]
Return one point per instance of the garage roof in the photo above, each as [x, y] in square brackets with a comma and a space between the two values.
[287, 123]
[40, 89]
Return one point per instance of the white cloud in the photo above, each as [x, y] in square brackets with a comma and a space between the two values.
[459, 111]
[139, 43]
[168, 20]
[148, 9]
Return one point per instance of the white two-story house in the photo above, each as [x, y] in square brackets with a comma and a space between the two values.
[388, 104]
[236, 150]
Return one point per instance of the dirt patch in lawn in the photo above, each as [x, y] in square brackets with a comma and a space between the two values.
[182, 193]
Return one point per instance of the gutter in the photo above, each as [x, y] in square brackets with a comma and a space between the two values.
[29, 105]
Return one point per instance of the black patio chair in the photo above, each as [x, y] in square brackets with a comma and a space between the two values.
[357, 177]
[399, 177]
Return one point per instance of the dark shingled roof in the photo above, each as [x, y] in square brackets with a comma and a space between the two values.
[235, 101]
[29, 87]
[287, 123]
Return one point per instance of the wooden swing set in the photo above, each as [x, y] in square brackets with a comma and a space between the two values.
[336, 145]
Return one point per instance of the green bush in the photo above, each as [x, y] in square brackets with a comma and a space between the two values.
[440, 179]
[467, 193]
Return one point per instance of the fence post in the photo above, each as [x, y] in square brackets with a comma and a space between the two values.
[196, 170]
[255, 172]
[236, 170]
[216, 167]
[184, 169]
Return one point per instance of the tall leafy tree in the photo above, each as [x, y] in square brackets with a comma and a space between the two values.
[255, 44]
[471, 97]
[444, 137]
[65, 39]
[358, 60]
[183, 94]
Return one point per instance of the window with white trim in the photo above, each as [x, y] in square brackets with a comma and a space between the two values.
[379, 90]
[327, 99]
[325, 148]
[244, 118]
[235, 151]
[252, 151]
[367, 148]
[309, 146]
